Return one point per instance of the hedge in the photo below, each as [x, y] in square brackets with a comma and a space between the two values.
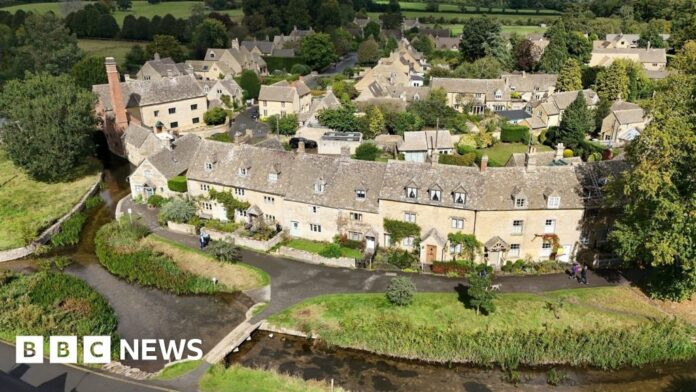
[446, 267]
[281, 63]
[514, 134]
[177, 184]
[467, 159]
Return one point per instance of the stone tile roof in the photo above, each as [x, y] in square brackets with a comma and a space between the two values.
[657, 74]
[138, 93]
[166, 66]
[289, 52]
[437, 33]
[266, 47]
[174, 161]
[427, 140]
[653, 55]
[530, 82]
[472, 86]
[136, 134]
[447, 42]
[278, 93]
[563, 99]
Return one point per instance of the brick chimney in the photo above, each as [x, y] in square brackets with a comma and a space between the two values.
[117, 105]
[484, 163]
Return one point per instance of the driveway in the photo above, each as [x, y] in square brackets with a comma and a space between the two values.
[347, 61]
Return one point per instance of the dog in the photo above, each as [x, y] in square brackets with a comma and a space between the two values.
[495, 287]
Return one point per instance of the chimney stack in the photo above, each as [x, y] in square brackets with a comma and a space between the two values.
[524, 74]
[559, 151]
[484, 163]
[117, 104]
[648, 47]
[157, 56]
[300, 147]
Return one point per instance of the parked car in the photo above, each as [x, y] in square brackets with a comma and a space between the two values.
[295, 141]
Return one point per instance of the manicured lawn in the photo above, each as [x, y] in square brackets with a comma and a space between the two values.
[316, 247]
[241, 379]
[28, 206]
[178, 370]
[420, 6]
[604, 327]
[108, 48]
[499, 154]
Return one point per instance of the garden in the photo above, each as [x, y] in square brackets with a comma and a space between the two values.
[338, 248]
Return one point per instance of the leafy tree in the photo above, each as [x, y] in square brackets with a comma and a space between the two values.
[51, 125]
[318, 50]
[685, 60]
[579, 47]
[329, 15]
[367, 151]
[342, 41]
[344, 90]
[144, 28]
[368, 52]
[651, 35]
[479, 293]
[89, 71]
[392, 18]
[166, 46]
[526, 58]
[434, 110]
[658, 225]
[135, 58]
[423, 44]
[215, 116]
[341, 119]
[371, 29]
[639, 86]
[249, 82]
[130, 28]
[106, 27]
[400, 291]
[297, 11]
[479, 35]
[468, 243]
[223, 251]
[283, 125]
[570, 77]
[577, 121]
[556, 52]
[124, 5]
[402, 122]
[612, 82]
[45, 45]
[375, 122]
[177, 210]
[484, 68]
[210, 33]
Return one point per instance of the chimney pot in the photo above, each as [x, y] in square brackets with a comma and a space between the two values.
[484, 163]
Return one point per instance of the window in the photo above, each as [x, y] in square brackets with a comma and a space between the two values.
[319, 187]
[194, 106]
[243, 171]
[147, 173]
[520, 202]
[355, 236]
[156, 113]
[549, 226]
[269, 218]
[435, 195]
[207, 206]
[272, 177]
[360, 194]
[172, 110]
[545, 249]
[517, 226]
[514, 250]
[315, 228]
[314, 209]
[239, 191]
[265, 113]
[459, 198]
[195, 120]
[457, 223]
[269, 199]
[174, 124]
[387, 240]
[408, 241]
[455, 249]
[219, 91]
[265, 103]
[410, 217]
[554, 201]
[208, 166]
[498, 94]
[355, 216]
[205, 187]
[411, 193]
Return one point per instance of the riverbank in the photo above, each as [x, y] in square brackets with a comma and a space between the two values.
[606, 328]
[241, 379]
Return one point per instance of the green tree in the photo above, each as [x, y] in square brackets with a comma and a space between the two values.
[342, 41]
[367, 151]
[468, 244]
[215, 116]
[89, 71]
[579, 47]
[124, 5]
[44, 44]
[479, 37]
[165, 46]
[51, 125]
[283, 125]
[400, 291]
[423, 44]
[525, 53]
[392, 18]
[368, 52]
[318, 51]
[371, 29]
[402, 122]
[479, 293]
[375, 122]
[434, 110]
[249, 82]
[612, 82]
[639, 86]
[329, 15]
[556, 52]
[298, 12]
[570, 76]
[210, 33]
[341, 119]
[685, 60]
[135, 58]
[577, 121]
[484, 68]
[651, 35]
[657, 192]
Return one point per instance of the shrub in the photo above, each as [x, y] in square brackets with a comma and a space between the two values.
[215, 116]
[69, 233]
[367, 152]
[156, 201]
[223, 251]
[345, 242]
[401, 258]
[93, 202]
[331, 251]
[221, 137]
[514, 134]
[62, 262]
[464, 149]
[459, 267]
[177, 184]
[399, 230]
[400, 291]
[479, 293]
[567, 153]
[177, 210]
[467, 159]
[214, 224]
[300, 69]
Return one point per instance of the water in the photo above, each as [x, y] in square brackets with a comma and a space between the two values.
[361, 371]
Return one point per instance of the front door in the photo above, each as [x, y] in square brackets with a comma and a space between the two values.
[430, 253]
[370, 242]
[294, 228]
[149, 192]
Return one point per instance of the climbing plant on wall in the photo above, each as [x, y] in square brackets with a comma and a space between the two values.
[230, 202]
[399, 230]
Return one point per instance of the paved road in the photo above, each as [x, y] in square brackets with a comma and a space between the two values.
[346, 62]
[60, 378]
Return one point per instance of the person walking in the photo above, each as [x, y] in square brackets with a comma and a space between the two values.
[583, 274]
[573, 271]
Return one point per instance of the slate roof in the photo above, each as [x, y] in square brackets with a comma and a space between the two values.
[435, 33]
[172, 162]
[426, 140]
[167, 65]
[447, 42]
[471, 86]
[138, 93]
[529, 82]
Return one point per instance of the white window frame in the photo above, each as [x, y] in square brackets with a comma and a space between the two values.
[356, 216]
[314, 209]
[411, 190]
[457, 223]
[269, 199]
[549, 226]
[545, 249]
[435, 195]
[360, 194]
[515, 250]
[207, 206]
[205, 187]
[554, 202]
[520, 202]
[410, 217]
[457, 196]
[239, 191]
[355, 236]
[313, 227]
[272, 177]
[243, 171]
[517, 229]
[407, 241]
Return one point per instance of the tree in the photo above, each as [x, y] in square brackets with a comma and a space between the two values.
[223, 251]
[329, 16]
[368, 52]
[402, 122]
[371, 29]
[375, 122]
[685, 60]
[526, 58]
[479, 293]
[130, 28]
[298, 12]
[579, 47]
[124, 5]
[165, 46]
[45, 45]
[367, 151]
[639, 86]
[651, 36]
[556, 52]
[177, 210]
[612, 82]
[215, 116]
[479, 35]
[570, 77]
[658, 225]
[434, 110]
[484, 68]
[51, 125]
[318, 50]
[341, 119]
[89, 71]
[106, 27]
[392, 18]
[423, 44]
[135, 58]
[400, 291]
[249, 82]
[342, 41]
[577, 121]
[210, 33]
[283, 125]
[468, 245]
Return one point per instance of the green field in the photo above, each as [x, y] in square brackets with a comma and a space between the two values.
[242, 379]
[316, 247]
[499, 154]
[179, 9]
[108, 48]
[456, 29]
[420, 6]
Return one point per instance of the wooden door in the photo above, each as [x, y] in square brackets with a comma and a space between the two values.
[430, 253]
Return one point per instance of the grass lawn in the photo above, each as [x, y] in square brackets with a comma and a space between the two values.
[499, 154]
[241, 379]
[178, 370]
[28, 206]
[456, 29]
[179, 9]
[439, 327]
[237, 276]
[108, 48]
[316, 247]
[420, 6]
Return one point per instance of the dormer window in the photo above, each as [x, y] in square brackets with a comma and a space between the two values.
[272, 177]
[553, 202]
[360, 194]
[435, 195]
[459, 198]
[520, 202]
[498, 94]
[243, 171]
[208, 166]
[319, 186]
[411, 192]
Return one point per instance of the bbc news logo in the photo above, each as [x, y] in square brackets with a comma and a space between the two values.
[97, 349]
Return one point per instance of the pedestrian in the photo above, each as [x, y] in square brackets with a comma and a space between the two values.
[583, 274]
[573, 271]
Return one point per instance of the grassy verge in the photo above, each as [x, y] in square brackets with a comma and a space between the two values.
[602, 327]
[499, 154]
[178, 370]
[53, 304]
[28, 206]
[241, 379]
[317, 246]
